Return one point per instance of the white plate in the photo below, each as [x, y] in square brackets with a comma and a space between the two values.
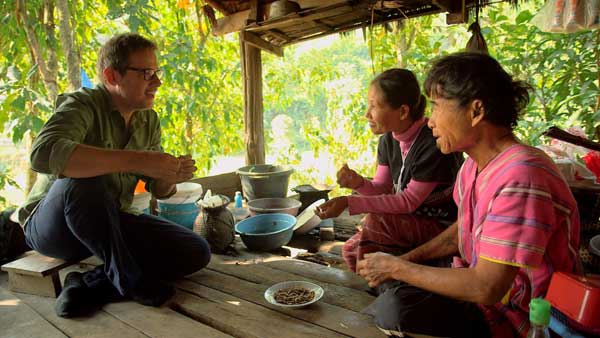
[308, 220]
[270, 292]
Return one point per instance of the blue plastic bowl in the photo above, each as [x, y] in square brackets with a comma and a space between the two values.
[266, 232]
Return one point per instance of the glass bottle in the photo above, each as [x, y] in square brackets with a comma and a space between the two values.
[539, 318]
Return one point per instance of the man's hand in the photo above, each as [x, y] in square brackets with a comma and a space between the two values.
[185, 171]
[378, 267]
[187, 168]
[159, 165]
[166, 167]
[348, 178]
[332, 208]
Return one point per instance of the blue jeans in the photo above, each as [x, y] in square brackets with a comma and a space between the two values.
[78, 218]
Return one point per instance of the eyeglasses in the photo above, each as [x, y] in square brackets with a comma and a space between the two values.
[149, 73]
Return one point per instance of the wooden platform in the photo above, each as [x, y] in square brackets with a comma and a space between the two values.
[223, 300]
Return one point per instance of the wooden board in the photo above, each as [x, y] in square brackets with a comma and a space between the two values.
[47, 286]
[100, 325]
[323, 314]
[341, 296]
[36, 264]
[18, 320]
[321, 273]
[236, 21]
[224, 300]
[241, 318]
[160, 322]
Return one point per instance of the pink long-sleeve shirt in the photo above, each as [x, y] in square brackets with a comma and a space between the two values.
[377, 195]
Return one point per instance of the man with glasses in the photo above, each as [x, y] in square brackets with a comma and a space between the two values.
[89, 155]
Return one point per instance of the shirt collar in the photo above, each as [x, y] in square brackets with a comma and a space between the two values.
[409, 134]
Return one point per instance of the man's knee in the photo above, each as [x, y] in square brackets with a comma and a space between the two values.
[199, 255]
[94, 187]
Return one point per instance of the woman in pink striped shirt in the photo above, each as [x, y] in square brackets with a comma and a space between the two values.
[409, 201]
[517, 219]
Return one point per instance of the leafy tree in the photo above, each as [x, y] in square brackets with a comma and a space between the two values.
[314, 100]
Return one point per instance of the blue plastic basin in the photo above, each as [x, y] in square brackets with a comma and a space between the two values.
[266, 232]
[183, 214]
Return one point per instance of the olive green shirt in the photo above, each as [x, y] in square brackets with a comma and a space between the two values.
[89, 117]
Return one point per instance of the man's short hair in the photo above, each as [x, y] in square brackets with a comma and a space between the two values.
[116, 51]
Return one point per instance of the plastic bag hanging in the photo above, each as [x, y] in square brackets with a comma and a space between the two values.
[476, 43]
[568, 16]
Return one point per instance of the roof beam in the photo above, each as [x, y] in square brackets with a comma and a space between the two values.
[236, 21]
[256, 41]
[216, 5]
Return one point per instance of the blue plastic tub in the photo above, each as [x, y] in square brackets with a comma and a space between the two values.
[183, 214]
[266, 232]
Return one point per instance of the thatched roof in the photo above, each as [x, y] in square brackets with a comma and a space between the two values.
[318, 18]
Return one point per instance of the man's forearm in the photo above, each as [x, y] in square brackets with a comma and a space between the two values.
[444, 244]
[163, 189]
[88, 161]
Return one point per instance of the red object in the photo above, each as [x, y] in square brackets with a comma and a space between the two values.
[140, 187]
[592, 162]
[577, 297]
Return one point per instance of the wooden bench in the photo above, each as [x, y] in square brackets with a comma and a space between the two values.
[35, 274]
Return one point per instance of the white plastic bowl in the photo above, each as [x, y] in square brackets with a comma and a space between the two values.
[270, 292]
[308, 220]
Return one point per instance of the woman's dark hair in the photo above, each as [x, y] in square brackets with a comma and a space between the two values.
[470, 76]
[116, 51]
[400, 86]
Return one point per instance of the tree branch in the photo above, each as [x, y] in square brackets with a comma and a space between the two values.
[49, 81]
[66, 39]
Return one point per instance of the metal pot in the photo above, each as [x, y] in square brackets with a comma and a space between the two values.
[309, 194]
[282, 7]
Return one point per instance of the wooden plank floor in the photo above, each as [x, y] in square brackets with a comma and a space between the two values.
[224, 300]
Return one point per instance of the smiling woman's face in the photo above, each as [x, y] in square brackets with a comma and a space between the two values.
[451, 125]
[381, 117]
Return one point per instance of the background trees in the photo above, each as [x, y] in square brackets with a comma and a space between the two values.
[313, 97]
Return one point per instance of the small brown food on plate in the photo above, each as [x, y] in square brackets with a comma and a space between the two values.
[294, 296]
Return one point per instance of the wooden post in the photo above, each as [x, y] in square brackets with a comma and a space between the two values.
[253, 103]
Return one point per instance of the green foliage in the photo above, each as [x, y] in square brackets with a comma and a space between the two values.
[314, 97]
[562, 69]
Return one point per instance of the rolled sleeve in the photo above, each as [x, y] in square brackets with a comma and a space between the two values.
[60, 135]
[61, 151]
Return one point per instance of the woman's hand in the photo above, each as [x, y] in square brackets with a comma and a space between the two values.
[332, 208]
[378, 267]
[348, 178]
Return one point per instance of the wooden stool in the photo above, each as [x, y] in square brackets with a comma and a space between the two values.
[35, 274]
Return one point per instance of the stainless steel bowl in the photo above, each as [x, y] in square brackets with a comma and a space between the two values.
[272, 205]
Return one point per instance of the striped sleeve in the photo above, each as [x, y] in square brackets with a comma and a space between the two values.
[520, 220]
